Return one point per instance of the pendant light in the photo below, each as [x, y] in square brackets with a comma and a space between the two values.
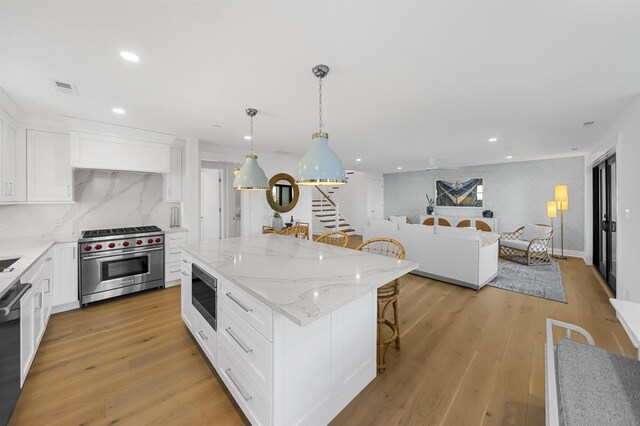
[320, 165]
[251, 176]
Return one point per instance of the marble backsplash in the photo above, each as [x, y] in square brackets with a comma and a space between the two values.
[104, 199]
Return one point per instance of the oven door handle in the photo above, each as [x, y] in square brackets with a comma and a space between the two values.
[7, 309]
[119, 253]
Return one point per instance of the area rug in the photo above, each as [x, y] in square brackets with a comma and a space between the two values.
[543, 281]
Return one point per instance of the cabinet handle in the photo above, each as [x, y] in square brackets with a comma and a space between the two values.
[186, 261]
[48, 285]
[175, 252]
[242, 392]
[48, 259]
[185, 274]
[173, 272]
[239, 303]
[202, 336]
[176, 238]
[239, 341]
[68, 190]
[10, 188]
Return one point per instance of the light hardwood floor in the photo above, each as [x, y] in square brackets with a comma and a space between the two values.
[467, 358]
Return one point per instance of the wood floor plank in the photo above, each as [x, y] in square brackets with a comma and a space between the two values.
[467, 358]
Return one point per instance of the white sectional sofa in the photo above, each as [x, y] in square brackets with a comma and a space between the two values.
[456, 255]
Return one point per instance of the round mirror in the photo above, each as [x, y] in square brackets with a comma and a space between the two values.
[283, 193]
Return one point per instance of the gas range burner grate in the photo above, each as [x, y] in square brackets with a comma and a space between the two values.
[119, 231]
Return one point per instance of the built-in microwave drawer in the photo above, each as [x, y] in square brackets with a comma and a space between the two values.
[253, 400]
[250, 309]
[247, 344]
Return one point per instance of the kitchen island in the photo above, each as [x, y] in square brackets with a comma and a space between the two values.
[289, 324]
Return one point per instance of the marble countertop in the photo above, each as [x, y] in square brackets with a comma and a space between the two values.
[169, 230]
[301, 279]
[29, 251]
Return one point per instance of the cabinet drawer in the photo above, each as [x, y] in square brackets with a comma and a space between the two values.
[246, 343]
[172, 271]
[172, 254]
[250, 309]
[205, 335]
[255, 402]
[175, 239]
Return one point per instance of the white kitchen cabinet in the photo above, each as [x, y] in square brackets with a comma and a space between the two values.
[173, 179]
[65, 276]
[9, 164]
[172, 257]
[35, 307]
[185, 294]
[49, 172]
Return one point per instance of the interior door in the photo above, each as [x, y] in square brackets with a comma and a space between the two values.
[211, 206]
[375, 198]
[605, 220]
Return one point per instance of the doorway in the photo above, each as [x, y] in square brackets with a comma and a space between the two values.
[604, 220]
[210, 204]
[375, 198]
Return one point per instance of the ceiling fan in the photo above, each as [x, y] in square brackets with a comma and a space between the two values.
[433, 166]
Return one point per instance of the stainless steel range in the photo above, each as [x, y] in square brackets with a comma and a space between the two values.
[120, 261]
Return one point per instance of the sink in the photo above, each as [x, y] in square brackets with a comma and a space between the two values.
[6, 263]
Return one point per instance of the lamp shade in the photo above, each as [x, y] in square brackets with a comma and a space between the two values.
[562, 196]
[551, 209]
[320, 165]
[251, 176]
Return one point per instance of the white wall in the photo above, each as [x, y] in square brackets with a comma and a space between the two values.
[353, 199]
[624, 137]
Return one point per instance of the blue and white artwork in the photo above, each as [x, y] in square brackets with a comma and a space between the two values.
[460, 192]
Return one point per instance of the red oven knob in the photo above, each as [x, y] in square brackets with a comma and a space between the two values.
[87, 248]
[139, 242]
[111, 245]
[126, 244]
[150, 240]
[98, 247]
[158, 240]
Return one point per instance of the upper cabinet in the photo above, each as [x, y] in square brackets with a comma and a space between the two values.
[173, 179]
[49, 172]
[106, 152]
[10, 160]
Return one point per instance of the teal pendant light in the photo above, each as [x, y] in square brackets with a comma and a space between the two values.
[251, 177]
[320, 165]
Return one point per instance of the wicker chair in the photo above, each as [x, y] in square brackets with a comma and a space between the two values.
[334, 238]
[528, 252]
[387, 296]
[441, 222]
[296, 231]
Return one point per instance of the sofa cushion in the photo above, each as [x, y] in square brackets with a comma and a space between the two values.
[516, 244]
[416, 227]
[532, 231]
[596, 387]
[398, 219]
[462, 233]
[383, 224]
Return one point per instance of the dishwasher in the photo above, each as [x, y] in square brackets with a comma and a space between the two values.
[10, 349]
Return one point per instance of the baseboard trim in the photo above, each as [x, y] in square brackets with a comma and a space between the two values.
[65, 307]
[569, 253]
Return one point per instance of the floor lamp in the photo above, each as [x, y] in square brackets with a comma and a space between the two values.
[562, 204]
[552, 212]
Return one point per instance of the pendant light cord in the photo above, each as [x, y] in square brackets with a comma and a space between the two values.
[320, 104]
[251, 135]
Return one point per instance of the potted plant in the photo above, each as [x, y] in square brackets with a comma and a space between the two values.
[276, 222]
[430, 203]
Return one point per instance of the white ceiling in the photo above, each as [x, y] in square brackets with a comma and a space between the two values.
[409, 81]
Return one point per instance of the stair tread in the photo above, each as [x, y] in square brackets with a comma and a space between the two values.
[331, 220]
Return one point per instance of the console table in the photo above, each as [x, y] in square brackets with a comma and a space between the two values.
[454, 220]
[628, 313]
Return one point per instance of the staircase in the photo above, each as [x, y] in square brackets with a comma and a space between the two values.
[327, 212]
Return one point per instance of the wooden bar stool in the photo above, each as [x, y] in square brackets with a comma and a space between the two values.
[387, 296]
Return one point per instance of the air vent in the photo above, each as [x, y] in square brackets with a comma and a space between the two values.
[588, 123]
[66, 88]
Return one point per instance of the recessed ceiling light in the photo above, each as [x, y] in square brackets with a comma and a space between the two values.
[118, 110]
[509, 157]
[248, 138]
[399, 167]
[358, 159]
[216, 125]
[574, 149]
[129, 56]
[493, 140]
